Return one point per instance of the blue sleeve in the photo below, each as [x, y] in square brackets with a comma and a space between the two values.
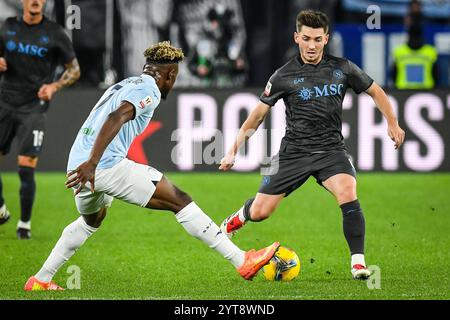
[144, 101]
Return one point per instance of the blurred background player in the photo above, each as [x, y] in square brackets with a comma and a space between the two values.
[31, 47]
[415, 62]
[217, 57]
[98, 159]
[313, 86]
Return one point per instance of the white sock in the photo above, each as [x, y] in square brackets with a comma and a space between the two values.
[3, 211]
[200, 226]
[241, 215]
[24, 225]
[358, 259]
[73, 237]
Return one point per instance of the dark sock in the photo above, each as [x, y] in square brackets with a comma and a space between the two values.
[247, 206]
[27, 192]
[354, 226]
[2, 201]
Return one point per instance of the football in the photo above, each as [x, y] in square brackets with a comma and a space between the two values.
[284, 266]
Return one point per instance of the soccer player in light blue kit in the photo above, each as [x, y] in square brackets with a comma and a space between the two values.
[99, 171]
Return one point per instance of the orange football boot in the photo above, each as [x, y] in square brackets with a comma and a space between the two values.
[255, 260]
[34, 284]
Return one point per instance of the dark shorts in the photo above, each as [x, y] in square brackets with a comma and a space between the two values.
[288, 172]
[27, 127]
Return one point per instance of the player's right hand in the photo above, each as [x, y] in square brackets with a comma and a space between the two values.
[78, 177]
[3, 65]
[227, 162]
[396, 134]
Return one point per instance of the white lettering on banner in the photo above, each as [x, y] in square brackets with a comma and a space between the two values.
[191, 133]
[374, 20]
[73, 20]
[346, 105]
[368, 131]
[435, 146]
[278, 119]
[201, 142]
[253, 156]
[373, 55]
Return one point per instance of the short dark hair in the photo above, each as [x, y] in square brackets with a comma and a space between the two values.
[312, 19]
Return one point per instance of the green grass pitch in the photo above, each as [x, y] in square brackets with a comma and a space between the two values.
[143, 254]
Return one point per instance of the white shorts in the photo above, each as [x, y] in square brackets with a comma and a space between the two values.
[128, 181]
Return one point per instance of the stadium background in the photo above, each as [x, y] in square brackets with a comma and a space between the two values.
[407, 213]
[113, 35]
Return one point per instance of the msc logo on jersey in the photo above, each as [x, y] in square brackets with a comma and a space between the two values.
[320, 91]
[26, 48]
[305, 94]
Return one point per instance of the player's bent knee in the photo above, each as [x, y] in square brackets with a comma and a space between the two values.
[259, 212]
[95, 220]
[26, 161]
[183, 199]
[346, 194]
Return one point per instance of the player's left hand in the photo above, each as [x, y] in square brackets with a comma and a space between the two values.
[47, 91]
[227, 162]
[396, 134]
[81, 175]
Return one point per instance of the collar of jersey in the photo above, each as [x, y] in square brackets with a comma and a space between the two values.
[149, 77]
[301, 63]
[20, 19]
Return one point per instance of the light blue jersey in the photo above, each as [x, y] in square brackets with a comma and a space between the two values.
[143, 93]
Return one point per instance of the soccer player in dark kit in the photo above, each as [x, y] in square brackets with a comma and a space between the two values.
[31, 47]
[312, 86]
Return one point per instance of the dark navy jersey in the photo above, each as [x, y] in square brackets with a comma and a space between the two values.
[313, 96]
[32, 53]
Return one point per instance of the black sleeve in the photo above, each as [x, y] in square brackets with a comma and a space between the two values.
[64, 45]
[2, 40]
[357, 79]
[273, 90]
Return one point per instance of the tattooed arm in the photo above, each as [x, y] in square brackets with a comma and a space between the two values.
[70, 75]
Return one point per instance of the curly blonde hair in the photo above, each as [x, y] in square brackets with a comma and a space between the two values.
[163, 52]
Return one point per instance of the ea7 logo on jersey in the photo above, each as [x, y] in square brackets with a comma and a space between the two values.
[268, 88]
[145, 102]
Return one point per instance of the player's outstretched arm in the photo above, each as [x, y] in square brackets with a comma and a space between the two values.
[255, 118]
[71, 74]
[382, 102]
[86, 171]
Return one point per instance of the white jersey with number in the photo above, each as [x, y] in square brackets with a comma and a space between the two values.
[143, 93]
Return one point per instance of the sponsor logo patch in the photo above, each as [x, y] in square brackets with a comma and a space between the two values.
[44, 39]
[268, 88]
[145, 102]
[266, 180]
[338, 74]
